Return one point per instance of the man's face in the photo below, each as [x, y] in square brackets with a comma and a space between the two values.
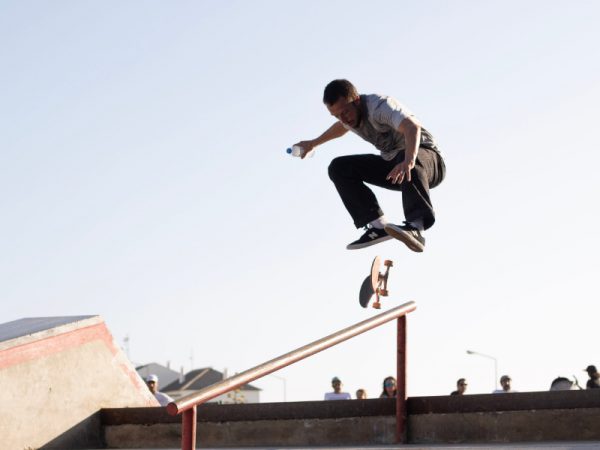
[152, 386]
[346, 111]
[505, 382]
[462, 387]
[337, 386]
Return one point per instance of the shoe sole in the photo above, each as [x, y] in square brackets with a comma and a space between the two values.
[406, 238]
[368, 244]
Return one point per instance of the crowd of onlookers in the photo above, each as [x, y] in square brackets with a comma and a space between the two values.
[558, 384]
[389, 389]
[389, 386]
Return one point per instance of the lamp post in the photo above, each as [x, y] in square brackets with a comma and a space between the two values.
[471, 352]
[284, 385]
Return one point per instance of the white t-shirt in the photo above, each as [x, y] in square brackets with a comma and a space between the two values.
[163, 399]
[340, 396]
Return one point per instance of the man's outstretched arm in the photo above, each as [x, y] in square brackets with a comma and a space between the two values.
[333, 132]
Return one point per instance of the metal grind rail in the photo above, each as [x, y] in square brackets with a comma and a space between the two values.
[187, 405]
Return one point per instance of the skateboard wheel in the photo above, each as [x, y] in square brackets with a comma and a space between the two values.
[388, 263]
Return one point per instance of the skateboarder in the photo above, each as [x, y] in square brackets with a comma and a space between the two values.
[409, 161]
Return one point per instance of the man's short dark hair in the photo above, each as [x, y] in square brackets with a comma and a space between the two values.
[337, 89]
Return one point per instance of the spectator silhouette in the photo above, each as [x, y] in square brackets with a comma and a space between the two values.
[361, 394]
[337, 393]
[389, 388]
[461, 387]
[152, 383]
[563, 384]
[594, 380]
[505, 382]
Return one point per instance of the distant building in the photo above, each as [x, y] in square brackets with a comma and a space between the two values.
[165, 375]
[201, 378]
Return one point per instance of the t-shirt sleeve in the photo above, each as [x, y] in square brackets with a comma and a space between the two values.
[390, 112]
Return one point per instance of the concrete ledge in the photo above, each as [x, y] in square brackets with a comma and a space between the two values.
[505, 427]
[499, 418]
[262, 433]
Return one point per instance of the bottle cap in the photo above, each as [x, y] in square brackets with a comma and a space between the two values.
[289, 150]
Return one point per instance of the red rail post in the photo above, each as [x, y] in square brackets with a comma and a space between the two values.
[188, 429]
[401, 412]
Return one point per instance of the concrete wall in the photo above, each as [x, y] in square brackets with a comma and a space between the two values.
[262, 433]
[255, 425]
[526, 417]
[506, 427]
[504, 418]
[55, 381]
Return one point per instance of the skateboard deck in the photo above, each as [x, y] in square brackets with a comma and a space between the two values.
[375, 284]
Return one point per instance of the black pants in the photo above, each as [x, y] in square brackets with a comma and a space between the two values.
[350, 173]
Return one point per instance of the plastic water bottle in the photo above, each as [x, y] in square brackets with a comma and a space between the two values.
[296, 150]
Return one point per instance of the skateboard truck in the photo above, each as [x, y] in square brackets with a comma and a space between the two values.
[375, 283]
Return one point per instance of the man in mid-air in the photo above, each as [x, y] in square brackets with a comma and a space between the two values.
[409, 162]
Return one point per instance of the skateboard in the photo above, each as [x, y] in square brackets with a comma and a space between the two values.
[375, 283]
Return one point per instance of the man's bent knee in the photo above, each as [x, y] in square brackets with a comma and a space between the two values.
[338, 166]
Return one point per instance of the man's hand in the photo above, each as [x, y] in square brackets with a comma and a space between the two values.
[411, 129]
[333, 132]
[307, 146]
[401, 171]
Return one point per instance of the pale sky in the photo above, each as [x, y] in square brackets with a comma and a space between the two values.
[143, 177]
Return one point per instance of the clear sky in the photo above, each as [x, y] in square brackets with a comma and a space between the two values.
[143, 177]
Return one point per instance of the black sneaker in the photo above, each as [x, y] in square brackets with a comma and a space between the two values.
[371, 237]
[408, 234]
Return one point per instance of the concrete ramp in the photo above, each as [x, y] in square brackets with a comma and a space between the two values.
[56, 373]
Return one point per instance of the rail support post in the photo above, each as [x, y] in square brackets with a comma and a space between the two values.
[188, 429]
[401, 410]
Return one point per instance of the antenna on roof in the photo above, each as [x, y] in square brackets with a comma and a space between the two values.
[126, 346]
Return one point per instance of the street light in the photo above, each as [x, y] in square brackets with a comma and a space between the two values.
[471, 352]
[284, 385]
